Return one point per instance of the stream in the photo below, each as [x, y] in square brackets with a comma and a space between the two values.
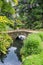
[13, 55]
[11, 58]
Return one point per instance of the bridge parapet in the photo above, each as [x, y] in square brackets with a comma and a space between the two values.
[16, 33]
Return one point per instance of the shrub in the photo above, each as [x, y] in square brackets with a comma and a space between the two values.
[32, 45]
[5, 41]
[5, 23]
[34, 60]
[41, 35]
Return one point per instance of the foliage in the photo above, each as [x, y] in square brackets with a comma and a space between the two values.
[15, 1]
[5, 23]
[32, 45]
[7, 8]
[34, 60]
[41, 35]
[1, 3]
[31, 13]
[18, 24]
[5, 41]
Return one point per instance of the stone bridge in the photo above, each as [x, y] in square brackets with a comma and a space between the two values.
[18, 32]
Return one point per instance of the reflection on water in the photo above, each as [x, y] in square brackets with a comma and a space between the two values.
[11, 58]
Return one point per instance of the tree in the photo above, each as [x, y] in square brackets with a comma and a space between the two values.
[31, 13]
[6, 6]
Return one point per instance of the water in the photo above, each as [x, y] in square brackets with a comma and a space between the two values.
[11, 58]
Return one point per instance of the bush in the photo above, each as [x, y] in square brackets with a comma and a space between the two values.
[5, 41]
[34, 60]
[32, 45]
[6, 24]
[41, 35]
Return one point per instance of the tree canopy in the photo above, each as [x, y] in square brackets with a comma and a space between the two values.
[31, 13]
[6, 6]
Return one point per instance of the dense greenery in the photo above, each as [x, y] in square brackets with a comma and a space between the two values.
[28, 14]
[6, 23]
[6, 6]
[32, 45]
[31, 13]
[34, 60]
[5, 41]
[41, 35]
[32, 49]
[6, 12]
